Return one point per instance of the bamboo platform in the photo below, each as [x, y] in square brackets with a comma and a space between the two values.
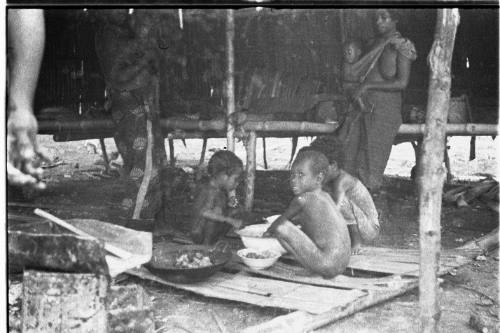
[375, 276]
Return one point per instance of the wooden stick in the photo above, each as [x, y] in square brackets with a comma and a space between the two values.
[108, 247]
[264, 154]
[230, 104]
[432, 173]
[373, 297]
[171, 151]
[104, 154]
[250, 170]
[306, 322]
[148, 168]
[203, 151]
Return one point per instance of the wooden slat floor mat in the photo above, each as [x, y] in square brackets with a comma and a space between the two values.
[290, 287]
[263, 292]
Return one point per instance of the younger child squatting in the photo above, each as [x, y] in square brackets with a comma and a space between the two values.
[354, 201]
[213, 203]
[312, 228]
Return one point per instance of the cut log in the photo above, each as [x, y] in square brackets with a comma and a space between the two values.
[63, 302]
[66, 253]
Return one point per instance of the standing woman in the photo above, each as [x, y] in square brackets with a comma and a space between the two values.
[128, 55]
[388, 64]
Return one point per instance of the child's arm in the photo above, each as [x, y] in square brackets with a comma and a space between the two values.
[205, 201]
[215, 216]
[338, 191]
[293, 210]
[336, 188]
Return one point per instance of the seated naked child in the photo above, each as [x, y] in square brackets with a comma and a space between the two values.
[213, 203]
[354, 201]
[312, 228]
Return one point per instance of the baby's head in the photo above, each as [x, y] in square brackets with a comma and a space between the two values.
[308, 171]
[225, 168]
[352, 51]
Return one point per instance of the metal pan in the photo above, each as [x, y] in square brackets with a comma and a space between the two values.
[164, 257]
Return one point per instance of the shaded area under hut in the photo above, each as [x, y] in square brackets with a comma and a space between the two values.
[287, 77]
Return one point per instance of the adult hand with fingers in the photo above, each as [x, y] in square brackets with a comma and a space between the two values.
[23, 157]
[26, 33]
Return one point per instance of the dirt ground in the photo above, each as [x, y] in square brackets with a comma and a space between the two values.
[77, 189]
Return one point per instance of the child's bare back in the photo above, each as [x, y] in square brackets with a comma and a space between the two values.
[312, 228]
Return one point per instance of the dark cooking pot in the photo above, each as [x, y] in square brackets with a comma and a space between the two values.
[164, 257]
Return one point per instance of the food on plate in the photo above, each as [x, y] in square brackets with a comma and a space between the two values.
[261, 255]
[193, 260]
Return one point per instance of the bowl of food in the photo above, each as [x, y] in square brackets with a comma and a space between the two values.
[187, 264]
[257, 259]
[252, 237]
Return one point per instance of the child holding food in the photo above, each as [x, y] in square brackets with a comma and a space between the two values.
[213, 206]
[312, 228]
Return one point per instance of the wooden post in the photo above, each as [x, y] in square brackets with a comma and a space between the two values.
[432, 172]
[230, 99]
[251, 166]
[343, 37]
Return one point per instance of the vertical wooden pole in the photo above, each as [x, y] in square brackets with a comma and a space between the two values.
[343, 37]
[432, 172]
[251, 166]
[230, 99]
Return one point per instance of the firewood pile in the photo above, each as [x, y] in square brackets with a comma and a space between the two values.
[486, 191]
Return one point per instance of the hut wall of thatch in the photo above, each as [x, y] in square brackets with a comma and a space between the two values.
[282, 58]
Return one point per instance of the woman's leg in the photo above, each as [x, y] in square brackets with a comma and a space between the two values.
[381, 127]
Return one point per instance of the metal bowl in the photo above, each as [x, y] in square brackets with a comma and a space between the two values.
[251, 237]
[163, 263]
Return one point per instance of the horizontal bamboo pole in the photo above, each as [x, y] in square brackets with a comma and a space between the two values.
[296, 127]
[453, 129]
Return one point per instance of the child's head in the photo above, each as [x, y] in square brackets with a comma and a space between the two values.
[226, 168]
[334, 161]
[308, 171]
[352, 51]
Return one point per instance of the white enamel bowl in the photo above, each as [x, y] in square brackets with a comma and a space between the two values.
[259, 263]
[251, 237]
